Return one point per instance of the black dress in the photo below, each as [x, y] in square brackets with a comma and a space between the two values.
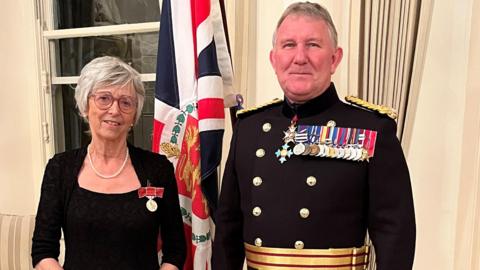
[108, 231]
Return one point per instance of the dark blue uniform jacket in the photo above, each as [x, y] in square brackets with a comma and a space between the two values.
[347, 199]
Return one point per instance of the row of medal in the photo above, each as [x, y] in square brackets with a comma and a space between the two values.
[349, 152]
[327, 141]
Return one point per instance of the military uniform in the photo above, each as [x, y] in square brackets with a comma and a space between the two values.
[309, 203]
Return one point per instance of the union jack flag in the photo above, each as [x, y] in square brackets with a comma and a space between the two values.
[193, 85]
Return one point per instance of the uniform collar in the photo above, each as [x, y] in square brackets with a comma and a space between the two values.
[312, 107]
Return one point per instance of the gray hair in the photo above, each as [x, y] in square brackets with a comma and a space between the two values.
[103, 72]
[313, 10]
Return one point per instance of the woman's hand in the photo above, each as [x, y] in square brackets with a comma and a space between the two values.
[51, 264]
[168, 266]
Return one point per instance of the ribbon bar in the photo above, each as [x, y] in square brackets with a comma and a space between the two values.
[156, 192]
[337, 137]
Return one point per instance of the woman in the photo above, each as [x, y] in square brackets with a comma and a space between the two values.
[110, 198]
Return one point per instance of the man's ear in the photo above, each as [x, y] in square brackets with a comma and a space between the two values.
[336, 59]
[272, 60]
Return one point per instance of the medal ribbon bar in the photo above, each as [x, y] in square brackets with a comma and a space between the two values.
[155, 192]
[337, 137]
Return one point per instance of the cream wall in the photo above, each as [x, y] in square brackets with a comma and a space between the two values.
[467, 238]
[21, 154]
[441, 140]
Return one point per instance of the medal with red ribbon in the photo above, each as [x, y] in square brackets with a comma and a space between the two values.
[286, 150]
[151, 193]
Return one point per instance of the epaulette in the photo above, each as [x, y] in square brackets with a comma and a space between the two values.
[247, 111]
[385, 110]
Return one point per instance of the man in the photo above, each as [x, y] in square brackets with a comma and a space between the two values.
[307, 177]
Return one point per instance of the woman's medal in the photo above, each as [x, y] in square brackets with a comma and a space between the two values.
[151, 204]
[151, 193]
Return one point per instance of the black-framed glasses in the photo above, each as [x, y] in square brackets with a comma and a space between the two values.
[104, 101]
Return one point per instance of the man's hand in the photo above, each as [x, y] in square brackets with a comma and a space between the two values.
[48, 264]
[168, 266]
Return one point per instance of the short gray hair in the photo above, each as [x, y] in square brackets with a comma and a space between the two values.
[103, 72]
[313, 10]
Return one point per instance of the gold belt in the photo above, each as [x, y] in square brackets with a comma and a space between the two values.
[265, 258]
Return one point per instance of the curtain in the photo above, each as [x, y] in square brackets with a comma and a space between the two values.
[244, 48]
[391, 54]
[389, 31]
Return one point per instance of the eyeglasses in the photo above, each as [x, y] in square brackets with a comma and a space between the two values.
[104, 101]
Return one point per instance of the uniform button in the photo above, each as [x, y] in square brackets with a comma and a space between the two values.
[257, 181]
[260, 152]
[266, 127]
[299, 245]
[257, 211]
[258, 242]
[311, 181]
[304, 213]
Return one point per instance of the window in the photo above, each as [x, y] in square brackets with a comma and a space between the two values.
[78, 31]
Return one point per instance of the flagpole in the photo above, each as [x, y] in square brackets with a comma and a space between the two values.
[233, 110]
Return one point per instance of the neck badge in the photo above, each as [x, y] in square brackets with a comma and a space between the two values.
[285, 150]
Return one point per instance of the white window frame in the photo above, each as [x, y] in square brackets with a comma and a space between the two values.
[47, 62]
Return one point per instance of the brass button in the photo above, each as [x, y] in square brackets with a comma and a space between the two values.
[304, 213]
[331, 123]
[257, 211]
[257, 181]
[311, 181]
[260, 152]
[266, 127]
[258, 242]
[299, 245]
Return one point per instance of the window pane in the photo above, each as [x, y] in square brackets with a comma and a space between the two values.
[87, 13]
[72, 132]
[143, 131]
[139, 50]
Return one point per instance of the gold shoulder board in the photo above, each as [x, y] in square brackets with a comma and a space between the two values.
[263, 106]
[385, 110]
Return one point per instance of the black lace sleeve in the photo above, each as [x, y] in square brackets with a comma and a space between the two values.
[47, 233]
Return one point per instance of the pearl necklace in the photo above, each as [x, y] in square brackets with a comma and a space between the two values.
[102, 175]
